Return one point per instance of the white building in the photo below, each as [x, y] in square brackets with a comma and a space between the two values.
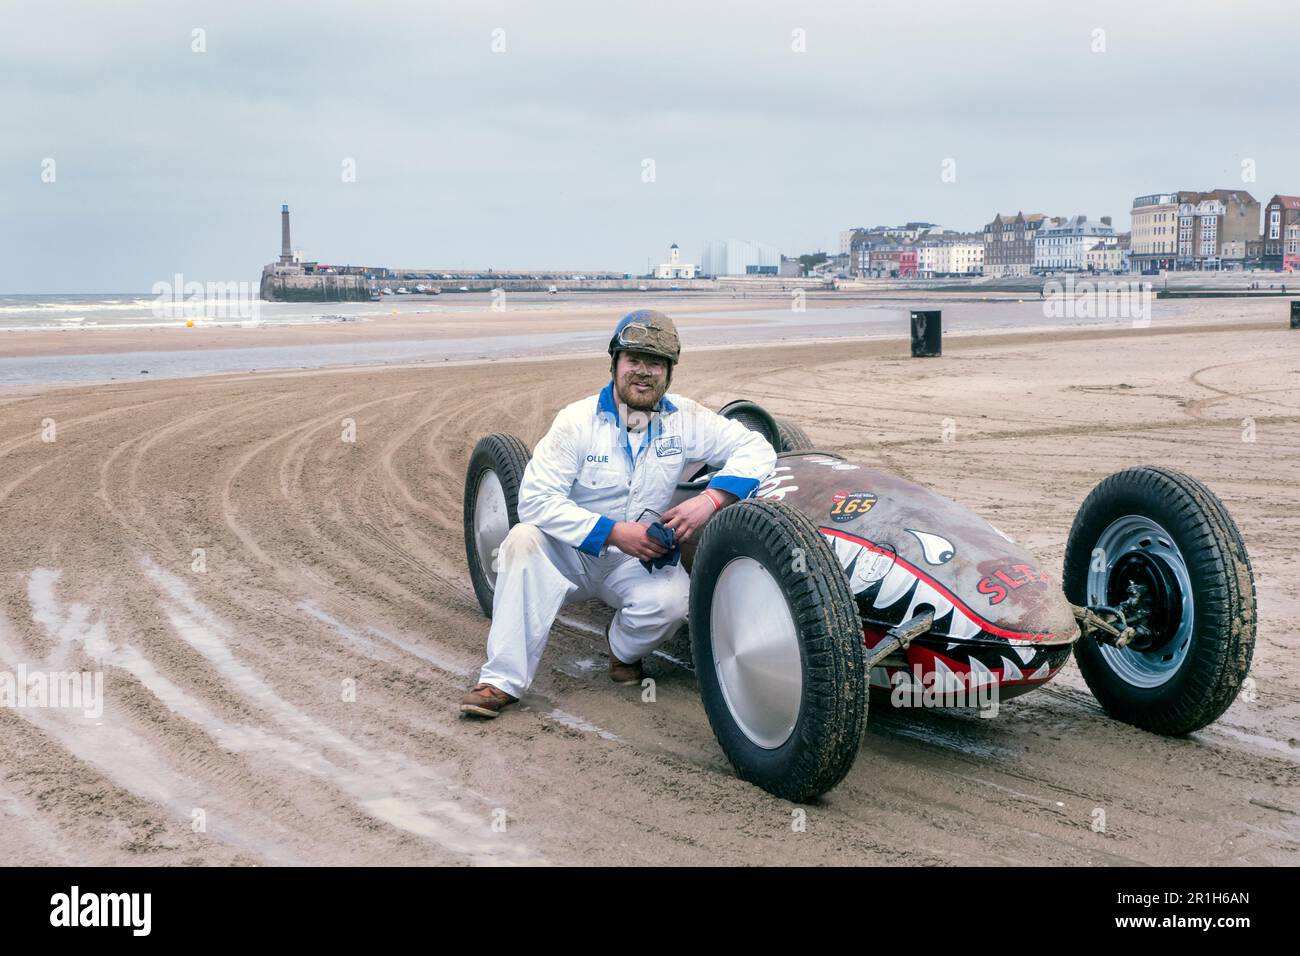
[929, 259]
[1064, 244]
[674, 268]
[739, 257]
[967, 257]
[950, 257]
[1105, 258]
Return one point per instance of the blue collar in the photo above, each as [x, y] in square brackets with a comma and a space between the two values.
[606, 403]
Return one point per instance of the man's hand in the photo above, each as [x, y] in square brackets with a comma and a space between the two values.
[693, 514]
[630, 537]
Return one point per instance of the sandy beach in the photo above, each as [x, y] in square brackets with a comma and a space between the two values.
[436, 333]
[284, 620]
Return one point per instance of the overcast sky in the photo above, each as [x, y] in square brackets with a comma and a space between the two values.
[168, 160]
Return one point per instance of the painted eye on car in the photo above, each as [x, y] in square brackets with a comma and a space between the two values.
[937, 548]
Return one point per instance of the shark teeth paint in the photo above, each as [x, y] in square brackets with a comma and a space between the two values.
[863, 566]
[926, 595]
[895, 585]
[1010, 671]
[962, 627]
[979, 674]
[882, 580]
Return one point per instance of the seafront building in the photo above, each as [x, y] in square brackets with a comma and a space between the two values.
[1215, 229]
[907, 237]
[739, 257]
[1279, 246]
[1155, 230]
[674, 268]
[1009, 244]
[895, 261]
[1063, 244]
[1107, 256]
[954, 254]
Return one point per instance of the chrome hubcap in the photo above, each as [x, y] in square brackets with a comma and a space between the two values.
[491, 523]
[1135, 549]
[756, 652]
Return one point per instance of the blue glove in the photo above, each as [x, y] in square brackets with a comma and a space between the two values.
[665, 537]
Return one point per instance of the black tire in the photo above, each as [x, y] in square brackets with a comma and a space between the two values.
[507, 457]
[793, 438]
[832, 710]
[1207, 675]
[754, 417]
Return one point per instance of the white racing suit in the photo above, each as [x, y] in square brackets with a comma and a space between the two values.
[584, 477]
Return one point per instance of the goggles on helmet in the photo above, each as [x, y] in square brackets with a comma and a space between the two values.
[638, 335]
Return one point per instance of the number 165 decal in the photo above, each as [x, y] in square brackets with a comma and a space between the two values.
[848, 506]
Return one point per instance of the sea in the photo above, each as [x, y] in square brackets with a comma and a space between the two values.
[146, 311]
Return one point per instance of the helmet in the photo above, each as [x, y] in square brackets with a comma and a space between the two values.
[646, 330]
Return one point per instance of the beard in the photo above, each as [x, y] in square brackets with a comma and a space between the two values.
[642, 400]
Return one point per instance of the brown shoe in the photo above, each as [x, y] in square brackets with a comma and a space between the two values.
[621, 673]
[484, 700]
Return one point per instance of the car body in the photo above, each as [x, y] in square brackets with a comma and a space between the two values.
[999, 619]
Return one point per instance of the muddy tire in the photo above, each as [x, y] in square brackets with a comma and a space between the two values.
[496, 467]
[1171, 537]
[777, 646]
[793, 438]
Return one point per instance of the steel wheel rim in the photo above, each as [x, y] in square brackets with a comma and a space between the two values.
[491, 523]
[1137, 534]
[756, 652]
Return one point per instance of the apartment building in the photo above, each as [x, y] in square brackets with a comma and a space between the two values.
[1009, 244]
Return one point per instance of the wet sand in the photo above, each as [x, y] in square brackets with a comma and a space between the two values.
[544, 326]
[292, 682]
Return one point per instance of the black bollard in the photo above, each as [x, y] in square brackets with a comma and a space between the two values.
[1295, 314]
[927, 334]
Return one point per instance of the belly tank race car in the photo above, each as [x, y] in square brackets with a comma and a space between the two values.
[836, 583]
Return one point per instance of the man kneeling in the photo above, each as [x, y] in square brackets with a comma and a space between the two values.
[593, 506]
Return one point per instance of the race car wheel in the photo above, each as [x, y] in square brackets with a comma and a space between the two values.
[778, 651]
[1160, 546]
[496, 466]
[754, 417]
[793, 438]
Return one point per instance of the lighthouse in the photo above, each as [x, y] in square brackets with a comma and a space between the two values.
[286, 249]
